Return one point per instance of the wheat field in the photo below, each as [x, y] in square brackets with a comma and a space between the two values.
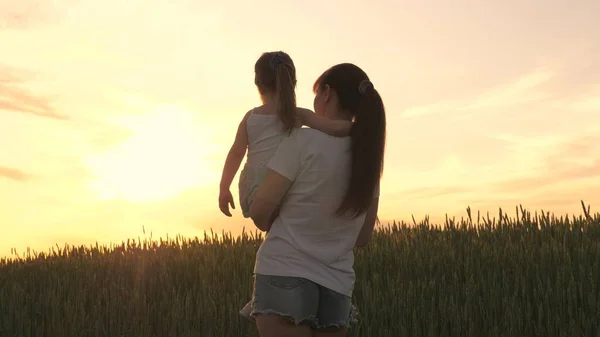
[532, 274]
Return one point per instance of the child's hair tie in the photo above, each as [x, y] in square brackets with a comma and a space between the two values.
[276, 60]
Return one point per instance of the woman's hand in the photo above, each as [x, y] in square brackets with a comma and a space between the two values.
[225, 200]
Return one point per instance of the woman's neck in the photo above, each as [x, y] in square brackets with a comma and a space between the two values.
[338, 114]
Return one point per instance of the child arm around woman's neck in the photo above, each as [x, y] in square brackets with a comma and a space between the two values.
[338, 128]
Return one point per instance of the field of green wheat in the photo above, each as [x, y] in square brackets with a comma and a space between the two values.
[529, 274]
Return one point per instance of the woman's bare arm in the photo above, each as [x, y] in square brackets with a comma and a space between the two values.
[268, 198]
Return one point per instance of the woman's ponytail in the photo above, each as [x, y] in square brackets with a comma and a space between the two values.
[358, 97]
[368, 147]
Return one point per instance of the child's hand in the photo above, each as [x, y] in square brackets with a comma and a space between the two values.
[226, 199]
[299, 122]
[302, 116]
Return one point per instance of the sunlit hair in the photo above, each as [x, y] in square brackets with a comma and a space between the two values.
[275, 73]
[358, 97]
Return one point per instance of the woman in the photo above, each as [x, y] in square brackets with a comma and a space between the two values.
[319, 200]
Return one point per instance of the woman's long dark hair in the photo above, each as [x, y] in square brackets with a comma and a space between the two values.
[358, 97]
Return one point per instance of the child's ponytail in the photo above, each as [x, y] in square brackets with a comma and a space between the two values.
[285, 84]
[275, 73]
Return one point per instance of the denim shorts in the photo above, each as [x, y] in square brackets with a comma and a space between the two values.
[301, 301]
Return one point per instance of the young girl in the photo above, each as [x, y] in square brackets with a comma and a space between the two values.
[263, 128]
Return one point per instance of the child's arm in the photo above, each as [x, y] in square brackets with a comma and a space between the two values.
[338, 128]
[232, 164]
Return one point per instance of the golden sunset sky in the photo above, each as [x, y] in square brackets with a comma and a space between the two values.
[119, 114]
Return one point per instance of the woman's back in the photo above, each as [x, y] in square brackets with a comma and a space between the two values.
[308, 239]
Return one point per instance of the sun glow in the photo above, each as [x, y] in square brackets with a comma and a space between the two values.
[165, 156]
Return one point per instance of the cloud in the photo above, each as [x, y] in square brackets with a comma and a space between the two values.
[573, 159]
[25, 14]
[17, 99]
[432, 192]
[588, 103]
[520, 91]
[10, 75]
[552, 177]
[568, 84]
[565, 168]
[14, 174]
[580, 146]
[431, 109]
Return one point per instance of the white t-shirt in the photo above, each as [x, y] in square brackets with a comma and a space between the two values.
[308, 239]
[265, 133]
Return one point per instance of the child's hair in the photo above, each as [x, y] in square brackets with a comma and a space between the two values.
[274, 72]
[357, 96]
